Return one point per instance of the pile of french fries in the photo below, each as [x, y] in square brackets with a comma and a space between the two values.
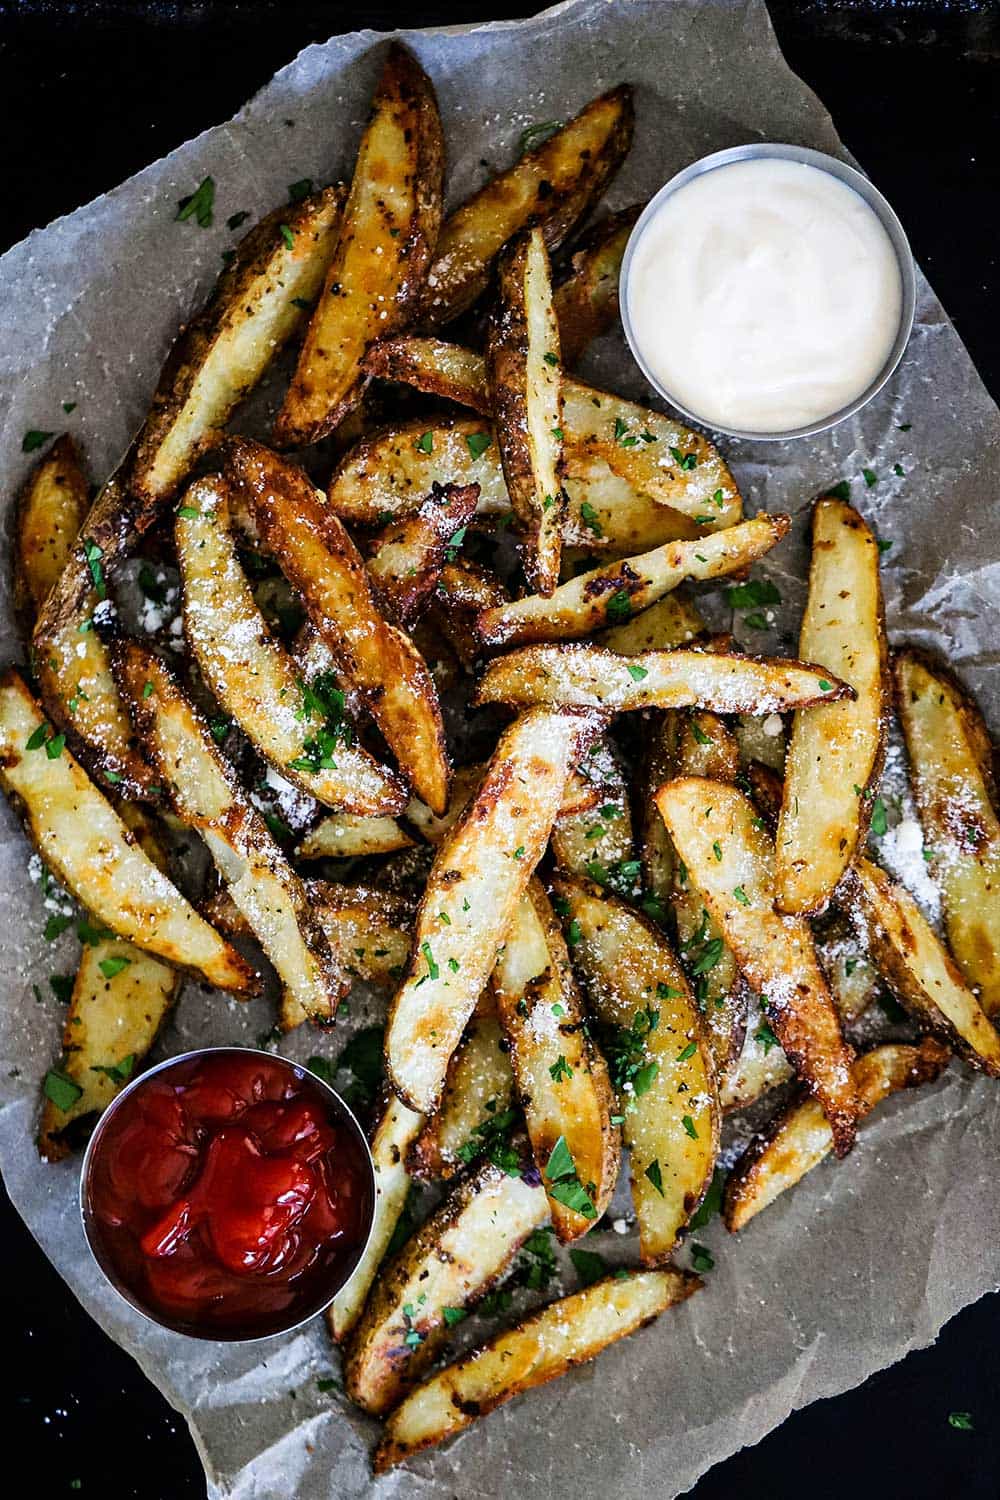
[612, 924]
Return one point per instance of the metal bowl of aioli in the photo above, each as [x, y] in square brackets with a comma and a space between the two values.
[286, 1085]
[886, 218]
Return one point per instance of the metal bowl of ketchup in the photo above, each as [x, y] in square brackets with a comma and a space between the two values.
[228, 1194]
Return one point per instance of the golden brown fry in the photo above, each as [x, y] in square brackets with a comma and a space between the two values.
[478, 1089]
[659, 1055]
[525, 385]
[919, 969]
[206, 797]
[761, 1065]
[586, 301]
[50, 509]
[835, 757]
[255, 679]
[554, 187]
[671, 621]
[344, 836]
[388, 232]
[86, 845]
[407, 557]
[799, 1138]
[545, 1345]
[447, 1265]
[951, 767]
[561, 1079]
[479, 874]
[579, 676]
[597, 841]
[322, 563]
[220, 356]
[730, 860]
[611, 594]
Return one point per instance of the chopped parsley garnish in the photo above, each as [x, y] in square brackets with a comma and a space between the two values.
[622, 435]
[288, 235]
[879, 824]
[962, 1420]
[62, 1091]
[478, 442]
[34, 439]
[433, 972]
[62, 987]
[841, 491]
[588, 515]
[588, 1265]
[637, 673]
[560, 1069]
[870, 477]
[688, 1051]
[537, 135]
[618, 608]
[235, 220]
[362, 1058]
[711, 1204]
[689, 1127]
[119, 1072]
[551, 359]
[701, 1259]
[741, 895]
[699, 733]
[55, 926]
[425, 443]
[683, 460]
[884, 545]
[299, 190]
[453, 1315]
[766, 1037]
[198, 204]
[491, 1137]
[92, 553]
[563, 1183]
[627, 1051]
[109, 967]
[752, 594]
[654, 1175]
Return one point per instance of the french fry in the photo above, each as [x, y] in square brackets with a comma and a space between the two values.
[611, 594]
[394, 1134]
[579, 676]
[586, 301]
[463, 590]
[836, 753]
[554, 187]
[800, 1137]
[761, 1065]
[449, 1263]
[85, 844]
[255, 679]
[660, 1059]
[560, 1078]
[478, 1089]
[671, 621]
[207, 798]
[547, 1344]
[387, 236]
[50, 509]
[260, 301]
[344, 836]
[479, 874]
[525, 385]
[730, 861]
[951, 768]
[596, 843]
[919, 969]
[322, 563]
[406, 558]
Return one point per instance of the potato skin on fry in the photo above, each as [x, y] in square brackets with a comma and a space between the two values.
[799, 1137]
[50, 508]
[586, 299]
[322, 563]
[554, 187]
[387, 236]
[407, 557]
[730, 860]
[566, 1333]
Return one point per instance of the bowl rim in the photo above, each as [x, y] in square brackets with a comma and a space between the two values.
[343, 1111]
[852, 177]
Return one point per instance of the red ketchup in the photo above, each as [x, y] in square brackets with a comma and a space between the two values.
[227, 1196]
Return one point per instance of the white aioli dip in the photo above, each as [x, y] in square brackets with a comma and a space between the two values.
[764, 295]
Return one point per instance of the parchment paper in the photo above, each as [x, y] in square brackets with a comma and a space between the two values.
[866, 1260]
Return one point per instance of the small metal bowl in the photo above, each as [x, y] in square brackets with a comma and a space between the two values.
[853, 179]
[343, 1272]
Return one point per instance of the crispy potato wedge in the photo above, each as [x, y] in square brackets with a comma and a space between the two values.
[554, 187]
[407, 557]
[463, 590]
[800, 1137]
[761, 1065]
[597, 843]
[479, 1087]
[319, 559]
[387, 237]
[660, 1059]
[547, 1344]
[344, 836]
[84, 842]
[671, 621]
[560, 1077]
[579, 676]
[730, 861]
[919, 969]
[951, 768]
[206, 797]
[253, 676]
[525, 385]
[434, 366]
[611, 594]
[449, 1263]
[71, 661]
[479, 874]
[394, 1134]
[837, 751]
[119, 1001]
[50, 510]
[259, 302]
[586, 300]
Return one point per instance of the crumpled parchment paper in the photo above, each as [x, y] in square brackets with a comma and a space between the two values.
[864, 1261]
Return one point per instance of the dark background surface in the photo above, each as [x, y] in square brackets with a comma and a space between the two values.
[95, 90]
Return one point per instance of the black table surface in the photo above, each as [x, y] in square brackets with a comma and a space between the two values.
[93, 92]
